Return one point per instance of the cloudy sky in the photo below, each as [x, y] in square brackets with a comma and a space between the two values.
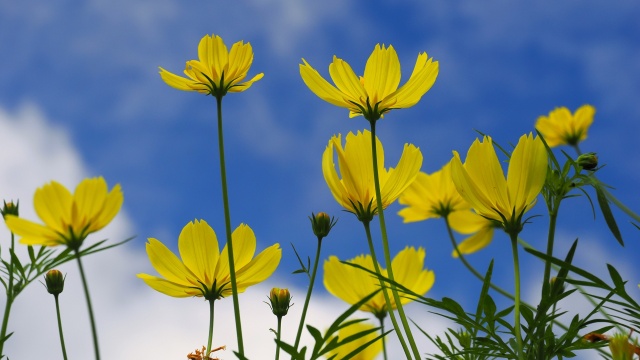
[80, 96]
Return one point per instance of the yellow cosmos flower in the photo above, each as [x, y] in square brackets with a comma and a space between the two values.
[376, 92]
[560, 127]
[68, 218]
[217, 71]
[204, 270]
[369, 353]
[431, 196]
[356, 190]
[482, 184]
[352, 284]
[480, 228]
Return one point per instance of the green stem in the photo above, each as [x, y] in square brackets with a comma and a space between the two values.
[64, 349]
[384, 338]
[209, 341]
[94, 332]
[387, 300]
[10, 298]
[308, 298]
[516, 274]
[227, 223]
[278, 337]
[385, 244]
[553, 217]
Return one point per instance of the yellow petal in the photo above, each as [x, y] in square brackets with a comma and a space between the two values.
[527, 172]
[475, 242]
[347, 81]
[199, 250]
[167, 264]
[52, 203]
[400, 178]
[260, 268]
[321, 87]
[111, 206]
[32, 233]
[331, 175]
[177, 82]
[169, 288]
[89, 196]
[408, 270]
[381, 73]
[422, 79]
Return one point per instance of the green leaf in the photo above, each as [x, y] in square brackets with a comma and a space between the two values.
[606, 212]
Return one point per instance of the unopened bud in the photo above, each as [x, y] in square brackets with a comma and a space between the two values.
[553, 281]
[9, 208]
[280, 300]
[321, 224]
[588, 161]
[620, 347]
[54, 282]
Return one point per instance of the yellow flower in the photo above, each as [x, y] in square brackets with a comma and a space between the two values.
[468, 222]
[352, 284]
[217, 71]
[68, 219]
[204, 270]
[356, 190]
[481, 180]
[377, 92]
[431, 196]
[369, 353]
[560, 127]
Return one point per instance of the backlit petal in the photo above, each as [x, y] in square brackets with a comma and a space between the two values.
[199, 250]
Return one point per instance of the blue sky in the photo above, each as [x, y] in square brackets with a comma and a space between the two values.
[80, 95]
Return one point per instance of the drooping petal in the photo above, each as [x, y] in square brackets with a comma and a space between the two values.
[321, 87]
[475, 242]
[408, 270]
[176, 81]
[167, 287]
[32, 233]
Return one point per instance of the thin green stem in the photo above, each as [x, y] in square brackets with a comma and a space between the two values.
[210, 339]
[385, 244]
[94, 332]
[227, 223]
[278, 337]
[387, 300]
[308, 298]
[553, 217]
[469, 266]
[10, 298]
[64, 349]
[516, 274]
[384, 338]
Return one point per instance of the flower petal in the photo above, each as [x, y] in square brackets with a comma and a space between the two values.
[260, 268]
[169, 288]
[408, 270]
[527, 172]
[199, 250]
[400, 178]
[321, 87]
[475, 242]
[168, 265]
[32, 233]
[381, 73]
[53, 203]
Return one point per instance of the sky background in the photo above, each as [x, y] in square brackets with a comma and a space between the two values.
[80, 96]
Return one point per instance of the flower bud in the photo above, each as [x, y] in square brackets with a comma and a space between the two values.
[552, 282]
[9, 208]
[321, 224]
[280, 301]
[54, 282]
[588, 161]
[620, 347]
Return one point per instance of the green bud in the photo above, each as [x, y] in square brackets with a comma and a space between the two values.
[588, 161]
[54, 282]
[280, 300]
[321, 224]
[9, 208]
[552, 282]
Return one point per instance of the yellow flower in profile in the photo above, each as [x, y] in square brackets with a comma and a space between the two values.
[481, 181]
[217, 71]
[560, 127]
[68, 218]
[480, 229]
[204, 270]
[369, 353]
[356, 190]
[376, 92]
[431, 196]
[352, 284]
